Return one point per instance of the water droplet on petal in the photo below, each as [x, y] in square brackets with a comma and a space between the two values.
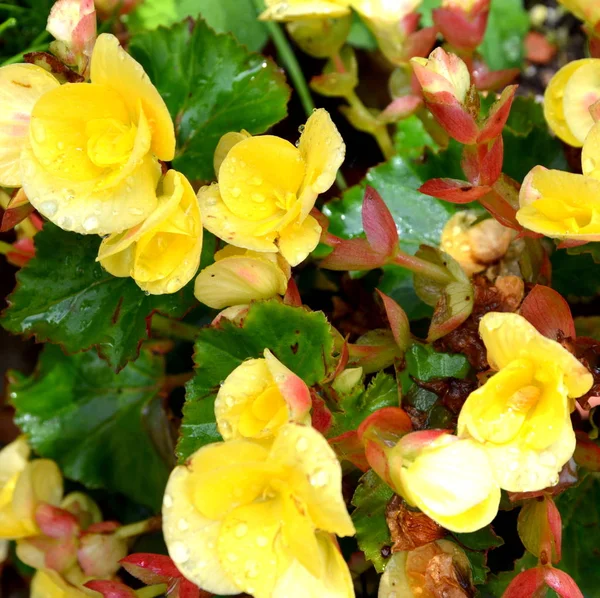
[48, 208]
[167, 501]
[301, 445]
[179, 553]
[319, 478]
[90, 223]
[241, 530]
[262, 541]
[183, 525]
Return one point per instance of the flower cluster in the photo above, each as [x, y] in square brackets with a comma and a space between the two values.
[558, 204]
[257, 512]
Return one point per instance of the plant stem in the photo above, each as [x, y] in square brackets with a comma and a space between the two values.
[141, 527]
[423, 267]
[151, 591]
[295, 73]
[12, 7]
[8, 24]
[169, 328]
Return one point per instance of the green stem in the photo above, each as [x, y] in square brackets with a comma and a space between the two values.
[37, 45]
[12, 7]
[295, 73]
[151, 591]
[141, 527]
[8, 24]
[166, 327]
[423, 267]
[373, 126]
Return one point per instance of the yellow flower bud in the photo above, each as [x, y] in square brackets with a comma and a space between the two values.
[90, 160]
[267, 187]
[448, 478]
[291, 10]
[23, 486]
[240, 276]
[161, 254]
[47, 583]
[259, 397]
[388, 11]
[242, 516]
[521, 414]
[568, 97]
[443, 72]
[21, 86]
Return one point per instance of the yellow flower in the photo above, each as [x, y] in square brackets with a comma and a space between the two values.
[21, 86]
[521, 415]
[563, 205]
[447, 478]
[241, 516]
[290, 10]
[259, 397]
[161, 254]
[23, 486]
[586, 10]
[89, 162]
[568, 97]
[385, 11]
[240, 276]
[267, 187]
[47, 583]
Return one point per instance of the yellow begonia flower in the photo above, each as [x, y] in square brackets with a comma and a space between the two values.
[290, 10]
[23, 486]
[447, 478]
[243, 517]
[568, 97]
[162, 254]
[90, 160]
[21, 86]
[259, 397]
[240, 276]
[586, 10]
[47, 583]
[385, 11]
[267, 187]
[521, 415]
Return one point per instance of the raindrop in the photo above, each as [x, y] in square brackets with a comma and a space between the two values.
[301, 445]
[179, 552]
[167, 501]
[319, 478]
[90, 223]
[48, 208]
[183, 525]
[241, 530]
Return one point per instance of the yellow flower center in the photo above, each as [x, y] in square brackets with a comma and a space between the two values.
[524, 399]
[110, 142]
[268, 411]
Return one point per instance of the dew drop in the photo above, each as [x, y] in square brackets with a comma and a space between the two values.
[183, 525]
[241, 530]
[60, 145]
[49, 208]
[136, 211]
[262, 541]
[301, 445]
[90, 223]
[236, 192]
[256, 180]
[167, 501]
[232, 557]
[66, 223]
[257, 197]
[252, 569]
[319, 478]
[39, 133]
[179, 553]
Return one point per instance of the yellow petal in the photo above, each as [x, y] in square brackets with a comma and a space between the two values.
[222, 222]
[41, 481]
[554, 102]
[509, 336]
[320, 485]
[47, 583]
[439, 483]
[581, 91]
[298, 240]
[225, 144]
[591, 152]
[21, 86]
[13, 459]
[113, 67]
[290, 10]
[260, 177]
[249, 547]
[239, 280]
[323, 151]
[192, 538]
[119, 264]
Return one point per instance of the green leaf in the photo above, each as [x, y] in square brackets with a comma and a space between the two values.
[585, 285]
[578, 507]
[372, 533]
[91, 421]
[426, 9]
[356, 406]
[419, 218]
[525, 115]
[64, 296]
[425, 363]
[360, 35]
[300, 339]
[588, 326]
[503, 44]
[412, 138]
[482, 539]
[593, 249]
[212, 86]
[398, 284]
[497, 584]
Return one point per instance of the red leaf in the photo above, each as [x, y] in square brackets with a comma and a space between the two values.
[23, 250]
[482, 164]
[555, 527]
[104, 527]
[353, 254]
[321, 417]
[348, 447]
[55, 522]
[501, 210]
[186, 589]
[453, 117]
[419, 43]
[526, 584]
[150, 568]
[498, 115]
[486, 80]
[461, 30]
[398, 321]
[453, 190]
[378, 223]
[538, 49]
[292, 294]
[566, 243]
[110, 589]
[17, 210]
[561, 583]
[587, 452]
[548, 311]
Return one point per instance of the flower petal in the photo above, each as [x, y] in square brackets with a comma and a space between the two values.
[115, 68]
[323, 150]
[581, 91]
[298, 240]
[509, 336]
[306, 450]
[290, 10]
[47, 583]
[225, 144]
[191, 538]
[13, 459]
[21, 85]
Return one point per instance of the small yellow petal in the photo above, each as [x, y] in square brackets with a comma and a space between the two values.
[47, 583]
[225, 144]
[580, 92]
[290, 10]
[113, 67]
[21, 86]
[298, 240]
[13, 459]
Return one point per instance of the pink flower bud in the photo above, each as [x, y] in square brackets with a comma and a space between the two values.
[99, 554]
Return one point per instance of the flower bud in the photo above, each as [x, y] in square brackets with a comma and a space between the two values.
[99, 554]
